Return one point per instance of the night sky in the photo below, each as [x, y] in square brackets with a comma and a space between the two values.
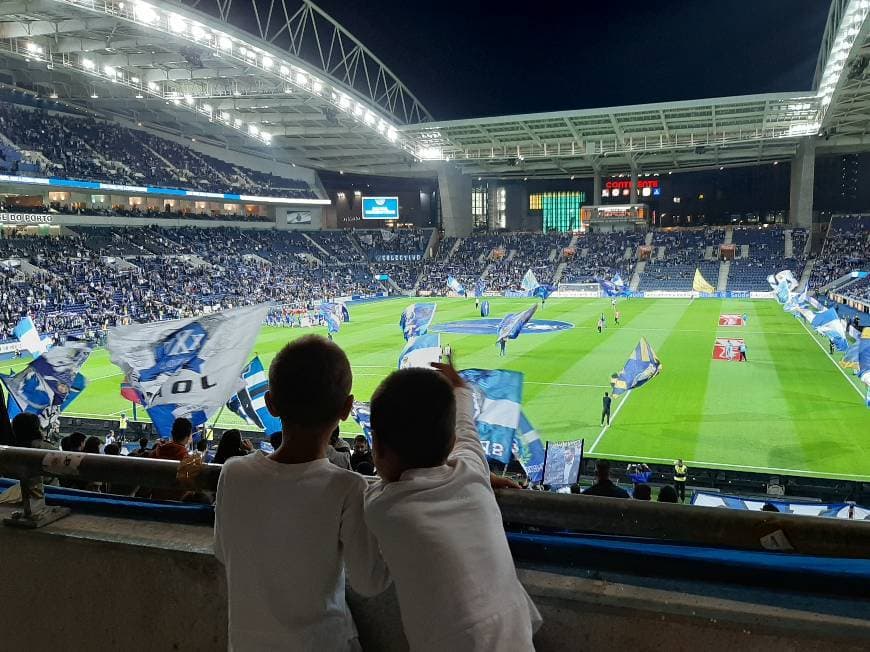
[472, 59]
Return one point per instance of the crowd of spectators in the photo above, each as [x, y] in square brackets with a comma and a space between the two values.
[846, 249]
[83, 148]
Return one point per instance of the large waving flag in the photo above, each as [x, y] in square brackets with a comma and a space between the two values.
[479, 288]
[186, 367]
[828, 324]
[511, 325]
[456, 286]
[421, 351]
[700, 284]
[250, 401]
[416, 318]
[641, 367]
[29, 337]
[544, 291]
[615, 287]
[333, 314]
[529, 282]
[529, 450]
[498, 396]
[362, 414]
[48, 384]
[864, 357]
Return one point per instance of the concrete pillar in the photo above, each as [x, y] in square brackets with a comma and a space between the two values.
[633, 193]
[517, 207]
[803, 172]
[596, 189]
[455, 191]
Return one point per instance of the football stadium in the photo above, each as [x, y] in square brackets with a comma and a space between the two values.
[549, 366]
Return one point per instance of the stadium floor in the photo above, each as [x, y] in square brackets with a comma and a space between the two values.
[790, 409]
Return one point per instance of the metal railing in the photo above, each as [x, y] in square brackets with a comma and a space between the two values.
[678, 524]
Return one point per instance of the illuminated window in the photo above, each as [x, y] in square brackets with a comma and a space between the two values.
[480, 206]
[561, 209]
[500, 221]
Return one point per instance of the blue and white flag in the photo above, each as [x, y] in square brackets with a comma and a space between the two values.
[455, 286]
[479, 288]
[614, 287]
[529, 282]
[511, 325]
[29, 337]
[332, 314]
[498, 396]
[362, 414]
[828, 324]
[416, 319]
[187, 367]
[529, 450]
[864, 357]
[250, 401]
[48, 384]
[484, 309]
[421, 351]
[642, 366]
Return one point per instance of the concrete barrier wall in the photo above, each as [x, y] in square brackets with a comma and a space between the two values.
[94, 583]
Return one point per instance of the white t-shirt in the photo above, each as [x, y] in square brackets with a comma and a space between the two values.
[282, 531]
[441, 533]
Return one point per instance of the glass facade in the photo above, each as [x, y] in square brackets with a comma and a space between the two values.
[561, 209]
[500, 221]
[480, 206]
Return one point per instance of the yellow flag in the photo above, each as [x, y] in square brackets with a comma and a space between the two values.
[700, 283]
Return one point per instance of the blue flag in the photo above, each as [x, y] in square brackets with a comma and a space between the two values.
[416, 319]
[614, 287]
[49, 384]
[641, 367]
[484, 309]
[186, 367]
[828, 324]
[362, 414]
[332, 314]
[864, 357]
[421, 352]
[250, 401]
[544, 291]
[511, 325]
[456, 286]
[479, 288]
[529, 282]
[529, 450]
[498, 397]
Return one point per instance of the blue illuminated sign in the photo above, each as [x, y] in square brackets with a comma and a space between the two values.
[380, 208]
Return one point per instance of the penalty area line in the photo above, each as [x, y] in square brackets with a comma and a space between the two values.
[604, 429]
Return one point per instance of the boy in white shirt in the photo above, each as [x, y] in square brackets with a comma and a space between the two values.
[289, 525]
[437, 520]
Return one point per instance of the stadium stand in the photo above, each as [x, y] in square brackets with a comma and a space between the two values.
[846, 249]
[87, 149]
[602, 255]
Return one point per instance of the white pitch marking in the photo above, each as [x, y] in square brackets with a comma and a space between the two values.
[604, 429]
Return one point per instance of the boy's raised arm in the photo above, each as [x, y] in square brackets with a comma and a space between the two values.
[466, 429]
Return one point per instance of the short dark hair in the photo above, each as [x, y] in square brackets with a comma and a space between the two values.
[202, 445]
[112, 449]
[182, 428]
[26, 428]
[769, 507]
[92, 445]
[414, 416]
[667, 494]
[309, 382]
[642, 492]
[602, 467]
[143, 442]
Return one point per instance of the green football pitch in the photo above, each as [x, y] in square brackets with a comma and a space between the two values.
[790, 409]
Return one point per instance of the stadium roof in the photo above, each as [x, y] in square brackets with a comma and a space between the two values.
[284, 80]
